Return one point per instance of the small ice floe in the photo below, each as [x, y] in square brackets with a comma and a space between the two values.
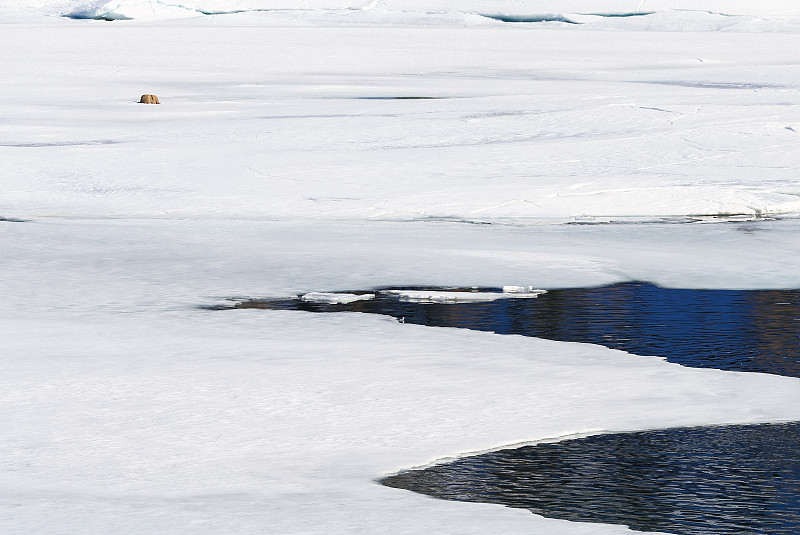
[522, 290]
[332, 298]
[431, 296]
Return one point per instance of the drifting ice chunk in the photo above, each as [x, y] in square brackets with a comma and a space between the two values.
[334, 298]
[522, 289]
[423, 296]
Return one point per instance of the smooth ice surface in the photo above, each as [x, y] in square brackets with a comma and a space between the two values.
[527, 10]
[291, 154]
[541, 124]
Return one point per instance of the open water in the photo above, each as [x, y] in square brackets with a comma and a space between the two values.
[689, 481]
[742, 330]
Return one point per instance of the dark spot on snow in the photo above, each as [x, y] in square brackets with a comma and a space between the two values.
[12, 220]
[749, 229]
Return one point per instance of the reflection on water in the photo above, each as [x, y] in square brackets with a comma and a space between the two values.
[744, 330]
[690, 481]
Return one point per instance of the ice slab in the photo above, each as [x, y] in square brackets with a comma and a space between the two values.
[423, 296]
[334, 298]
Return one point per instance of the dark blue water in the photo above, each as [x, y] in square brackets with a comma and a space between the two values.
[708, 480]
[742, 330]
[690, 481]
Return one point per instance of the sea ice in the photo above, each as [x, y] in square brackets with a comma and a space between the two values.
[291, 153]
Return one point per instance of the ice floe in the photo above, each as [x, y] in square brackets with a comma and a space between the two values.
[335, 298]
[424, 296]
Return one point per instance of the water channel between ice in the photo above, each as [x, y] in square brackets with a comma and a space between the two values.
[693, 481]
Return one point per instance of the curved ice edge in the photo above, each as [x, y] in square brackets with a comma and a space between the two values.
[568, 436]
[514, 445]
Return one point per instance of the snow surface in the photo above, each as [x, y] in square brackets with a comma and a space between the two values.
[538, 125]
[577, 10]
[280, 163]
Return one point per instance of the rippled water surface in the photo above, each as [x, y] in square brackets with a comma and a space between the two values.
[692, 481]
[744, 330]
[709, 480]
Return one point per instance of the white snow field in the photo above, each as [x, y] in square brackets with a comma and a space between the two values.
[292, 153]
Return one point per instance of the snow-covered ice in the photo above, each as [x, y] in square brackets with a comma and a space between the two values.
[580, 11]
[444, 296]
[293, 152]
[534, 124]
[335, 298]
[129, 410]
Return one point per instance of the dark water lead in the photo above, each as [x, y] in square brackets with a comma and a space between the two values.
[727, 480]
[743, 330]
[688, 481]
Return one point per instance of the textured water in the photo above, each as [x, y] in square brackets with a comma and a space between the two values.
[690, 481]
[743, 330]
